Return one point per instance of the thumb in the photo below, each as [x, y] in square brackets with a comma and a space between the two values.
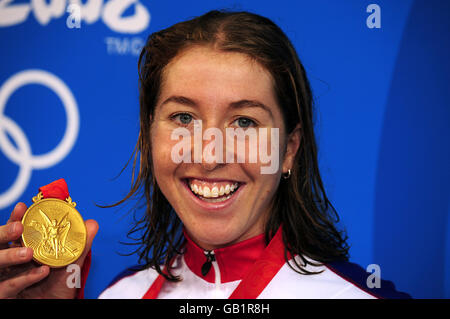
[91, 230]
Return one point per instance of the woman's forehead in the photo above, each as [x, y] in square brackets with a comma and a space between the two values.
[203, 73]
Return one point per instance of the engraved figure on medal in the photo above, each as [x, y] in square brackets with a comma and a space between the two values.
[54, 235]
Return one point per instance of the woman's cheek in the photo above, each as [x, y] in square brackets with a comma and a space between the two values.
[162, 149]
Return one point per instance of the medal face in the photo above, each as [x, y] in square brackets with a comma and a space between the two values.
[55, 230]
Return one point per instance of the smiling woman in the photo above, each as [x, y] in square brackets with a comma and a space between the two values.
[217, 80]
[220, 228]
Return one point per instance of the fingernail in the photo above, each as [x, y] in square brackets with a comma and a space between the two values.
[22, 252]
[39, 270]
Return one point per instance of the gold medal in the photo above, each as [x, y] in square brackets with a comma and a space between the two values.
[55, 230]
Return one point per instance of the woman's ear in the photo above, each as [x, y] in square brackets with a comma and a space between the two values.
[292, 145]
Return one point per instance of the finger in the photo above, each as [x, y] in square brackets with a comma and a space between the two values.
[91, 229]
[17, 213]
[12, 287]
[10, 232]
[15, 256]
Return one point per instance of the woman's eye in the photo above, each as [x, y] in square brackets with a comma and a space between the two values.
[244, 122]
[183, 118]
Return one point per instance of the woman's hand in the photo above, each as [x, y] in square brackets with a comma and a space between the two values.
[20, 277]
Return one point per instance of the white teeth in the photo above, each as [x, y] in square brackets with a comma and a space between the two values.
[215, 192]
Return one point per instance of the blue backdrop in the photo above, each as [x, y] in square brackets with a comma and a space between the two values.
[69, 108]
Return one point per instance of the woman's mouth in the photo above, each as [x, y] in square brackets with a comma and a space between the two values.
[212, 191]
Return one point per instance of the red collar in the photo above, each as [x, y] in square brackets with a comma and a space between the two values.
[233, 261]
[255, 274]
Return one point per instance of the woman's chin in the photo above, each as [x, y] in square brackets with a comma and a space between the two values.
[211, 237]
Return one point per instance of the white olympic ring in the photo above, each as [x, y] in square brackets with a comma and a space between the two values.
[22, 155]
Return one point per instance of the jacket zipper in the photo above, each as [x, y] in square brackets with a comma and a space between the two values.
[212, 262]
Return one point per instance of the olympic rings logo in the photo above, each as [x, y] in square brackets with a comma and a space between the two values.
[22, 155]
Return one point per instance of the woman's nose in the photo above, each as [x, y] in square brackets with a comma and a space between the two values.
[211, 166]
[212, 148]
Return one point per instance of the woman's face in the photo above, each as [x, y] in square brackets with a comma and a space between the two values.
[218, 203]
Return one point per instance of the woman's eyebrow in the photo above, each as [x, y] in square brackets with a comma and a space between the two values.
[179, 99]
[251, 103]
